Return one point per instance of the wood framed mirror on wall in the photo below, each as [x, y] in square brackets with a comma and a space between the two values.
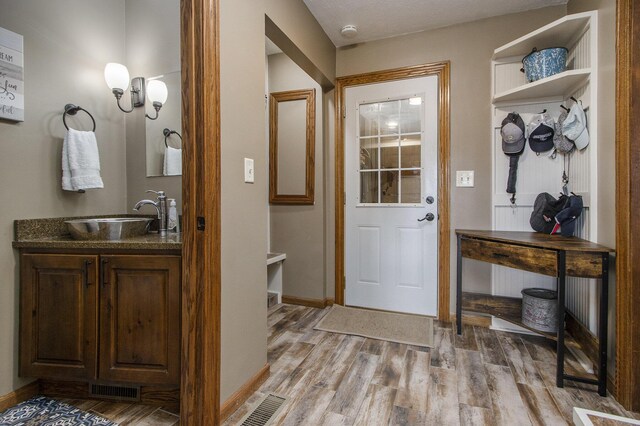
[292, 135]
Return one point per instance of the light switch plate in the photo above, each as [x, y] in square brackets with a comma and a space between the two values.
[249, 172]
[464, 178]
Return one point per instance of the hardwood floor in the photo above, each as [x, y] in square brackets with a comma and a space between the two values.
[127, 414]
[483, 377]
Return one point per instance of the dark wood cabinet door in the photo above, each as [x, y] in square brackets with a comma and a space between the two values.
[140, 319]
[58, 316]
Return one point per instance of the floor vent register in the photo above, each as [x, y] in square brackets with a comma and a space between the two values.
[264, 411]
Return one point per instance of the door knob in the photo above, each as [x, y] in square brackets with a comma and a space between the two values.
[429, 217]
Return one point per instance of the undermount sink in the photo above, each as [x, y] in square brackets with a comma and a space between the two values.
[107, 229]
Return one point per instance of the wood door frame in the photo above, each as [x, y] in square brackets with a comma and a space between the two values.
[201, 279]
[627, 204]
[442, 70]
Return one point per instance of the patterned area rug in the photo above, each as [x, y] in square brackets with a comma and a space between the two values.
[43, 411]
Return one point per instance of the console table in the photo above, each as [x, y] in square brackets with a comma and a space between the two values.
[551, 255]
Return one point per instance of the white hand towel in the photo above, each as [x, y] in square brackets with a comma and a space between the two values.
[172, 161]
[66, 170]
[80, 150]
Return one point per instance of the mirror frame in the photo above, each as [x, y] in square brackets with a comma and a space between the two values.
[308, 95]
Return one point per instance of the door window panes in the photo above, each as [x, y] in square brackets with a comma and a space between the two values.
[389, 154]
[389, 186]
[410, 186]
[369, 120]
[368, 153]
[369, 187]
[411, 151]
[390, 139]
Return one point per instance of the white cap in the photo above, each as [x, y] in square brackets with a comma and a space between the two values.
[574, 126]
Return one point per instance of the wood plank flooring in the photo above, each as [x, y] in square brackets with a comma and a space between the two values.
[483, 377]
[125, 413]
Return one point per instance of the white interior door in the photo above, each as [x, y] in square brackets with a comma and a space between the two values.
[391, 164]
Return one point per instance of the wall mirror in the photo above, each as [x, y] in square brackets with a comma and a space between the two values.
[164, 135]
[292, 121]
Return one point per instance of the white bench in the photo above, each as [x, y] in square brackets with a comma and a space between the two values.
[274, 273]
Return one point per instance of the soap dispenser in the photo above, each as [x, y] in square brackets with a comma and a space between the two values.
[173, 225]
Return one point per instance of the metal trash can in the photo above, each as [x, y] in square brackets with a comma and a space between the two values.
[540, 309]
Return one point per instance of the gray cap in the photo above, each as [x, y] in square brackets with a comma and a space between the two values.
[562, 144]
[512, 132]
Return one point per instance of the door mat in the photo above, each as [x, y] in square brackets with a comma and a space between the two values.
[43, 411]
[399, 328]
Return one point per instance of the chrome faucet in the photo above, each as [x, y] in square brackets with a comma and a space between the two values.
[161, 207]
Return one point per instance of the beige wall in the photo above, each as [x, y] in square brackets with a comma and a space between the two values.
[67, 43]
[469, 47]
[606, 136]
[152, 48]
[299, 231]
[245, 206]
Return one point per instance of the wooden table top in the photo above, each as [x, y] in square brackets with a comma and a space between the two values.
[536, 239]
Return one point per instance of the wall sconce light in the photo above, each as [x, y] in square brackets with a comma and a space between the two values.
[117, 78]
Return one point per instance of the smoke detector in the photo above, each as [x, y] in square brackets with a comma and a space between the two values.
[349, 31]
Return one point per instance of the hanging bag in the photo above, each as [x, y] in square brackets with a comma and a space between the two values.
[545, 209]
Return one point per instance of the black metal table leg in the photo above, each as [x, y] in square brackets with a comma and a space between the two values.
[561, 291]
[459, 287]
[603, 326]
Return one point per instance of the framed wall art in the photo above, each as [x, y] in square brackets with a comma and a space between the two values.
[11, 76]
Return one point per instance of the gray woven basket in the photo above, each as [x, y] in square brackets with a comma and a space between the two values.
[540, 309]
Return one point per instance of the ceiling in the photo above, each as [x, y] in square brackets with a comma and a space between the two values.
[376, 19]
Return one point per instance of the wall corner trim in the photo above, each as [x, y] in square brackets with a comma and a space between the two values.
[246, 390]
[304, 301]
[19, 395]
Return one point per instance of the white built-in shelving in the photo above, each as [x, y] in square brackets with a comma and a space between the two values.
[560, 85]
[540, 173]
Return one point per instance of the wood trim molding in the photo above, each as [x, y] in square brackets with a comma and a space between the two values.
[472, 319]
[19, 395]
[312, 303]
[442, 70]
[246, 390]
[627, 204]
[201, 279]
[309, 96]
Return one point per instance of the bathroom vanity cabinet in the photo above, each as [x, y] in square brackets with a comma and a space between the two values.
[100, 317]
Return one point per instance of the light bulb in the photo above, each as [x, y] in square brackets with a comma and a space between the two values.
[157, 91]
[116, 76]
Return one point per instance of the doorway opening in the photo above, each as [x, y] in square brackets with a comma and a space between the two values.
[441, 71]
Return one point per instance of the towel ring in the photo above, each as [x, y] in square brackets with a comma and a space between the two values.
[166, 132]
[72, 109]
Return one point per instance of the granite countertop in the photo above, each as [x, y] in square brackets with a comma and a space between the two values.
[52, 234]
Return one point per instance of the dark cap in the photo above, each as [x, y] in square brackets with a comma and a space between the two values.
[512, 132]
[541, 131]
[566, 218]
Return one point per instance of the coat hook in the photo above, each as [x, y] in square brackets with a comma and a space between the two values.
[574, 99]
[543, 111]
[564, 108]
